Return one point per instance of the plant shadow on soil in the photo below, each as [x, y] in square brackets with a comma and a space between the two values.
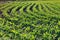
[0, 12]
[1, 15]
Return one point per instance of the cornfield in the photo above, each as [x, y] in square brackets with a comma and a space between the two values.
[30, 20]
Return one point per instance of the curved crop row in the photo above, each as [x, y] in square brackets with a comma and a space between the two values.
[30, 21]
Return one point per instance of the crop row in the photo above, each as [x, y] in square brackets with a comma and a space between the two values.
[30, 21]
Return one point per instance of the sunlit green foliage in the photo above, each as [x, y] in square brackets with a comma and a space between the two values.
[30, 21]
